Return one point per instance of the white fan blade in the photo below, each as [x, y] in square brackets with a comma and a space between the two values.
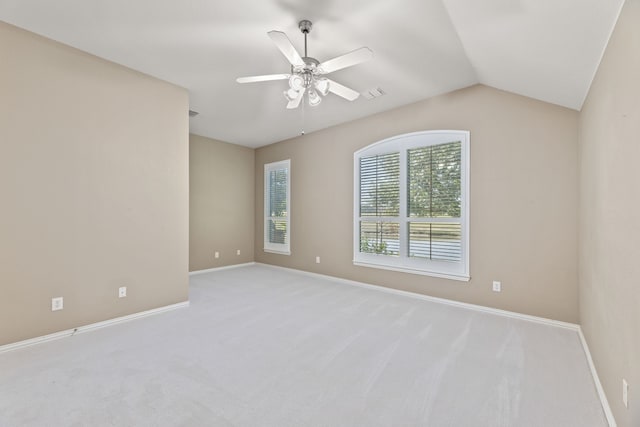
[296, 101]
[284, 44]
[342, 91]
[347, 60]
[265, 78]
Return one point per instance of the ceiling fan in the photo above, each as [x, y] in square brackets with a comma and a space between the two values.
[307, 74]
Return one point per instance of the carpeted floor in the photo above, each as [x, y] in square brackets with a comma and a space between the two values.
[260, 346]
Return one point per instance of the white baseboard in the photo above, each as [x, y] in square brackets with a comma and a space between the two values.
[600, 390]
[603, 397]
[475, 307]
[225, 267]
[90, 327]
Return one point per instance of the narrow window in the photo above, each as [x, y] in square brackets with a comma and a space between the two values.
[277, 230]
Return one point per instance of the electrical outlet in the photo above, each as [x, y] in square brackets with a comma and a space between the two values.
[497, 286]
[57, 303]
[216, 255]
[122, 292]
[625, 393]
[238, 252]
[317, 260]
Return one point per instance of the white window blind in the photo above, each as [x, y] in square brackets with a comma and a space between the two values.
[277, 228]
[379, 203]
[434, 202]
[411, 204]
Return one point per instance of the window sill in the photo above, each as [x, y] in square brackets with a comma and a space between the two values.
[451, 276]
[273, 251]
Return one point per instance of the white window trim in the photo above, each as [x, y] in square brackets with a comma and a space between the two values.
[277, 248]
[402, 263]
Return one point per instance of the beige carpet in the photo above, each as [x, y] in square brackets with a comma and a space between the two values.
[265, 347]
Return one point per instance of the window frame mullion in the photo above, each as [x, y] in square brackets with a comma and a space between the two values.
[403, 238]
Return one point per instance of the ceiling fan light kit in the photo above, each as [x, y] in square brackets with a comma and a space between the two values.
[307, 73]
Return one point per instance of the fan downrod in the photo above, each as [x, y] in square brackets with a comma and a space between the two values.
[305, 26]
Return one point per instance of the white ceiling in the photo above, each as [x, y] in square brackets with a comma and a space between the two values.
[544, 49]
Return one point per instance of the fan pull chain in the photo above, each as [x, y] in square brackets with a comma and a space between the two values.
[303, 119]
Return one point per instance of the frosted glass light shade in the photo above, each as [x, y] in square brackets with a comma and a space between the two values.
[314, 98]
[291, 94]
[296, 82]
[322, 85]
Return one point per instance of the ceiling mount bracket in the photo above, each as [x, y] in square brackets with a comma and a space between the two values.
[305, 26]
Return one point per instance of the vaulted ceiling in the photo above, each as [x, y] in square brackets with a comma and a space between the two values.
[544, 49]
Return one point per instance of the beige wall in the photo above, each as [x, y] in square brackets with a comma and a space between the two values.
[609, 260]
[523, 199]
[93, 188]
[221, 204]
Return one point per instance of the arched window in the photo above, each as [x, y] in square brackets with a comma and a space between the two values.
[411, 204]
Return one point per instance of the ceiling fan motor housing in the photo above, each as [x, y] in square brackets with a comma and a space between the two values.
[311, 65]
